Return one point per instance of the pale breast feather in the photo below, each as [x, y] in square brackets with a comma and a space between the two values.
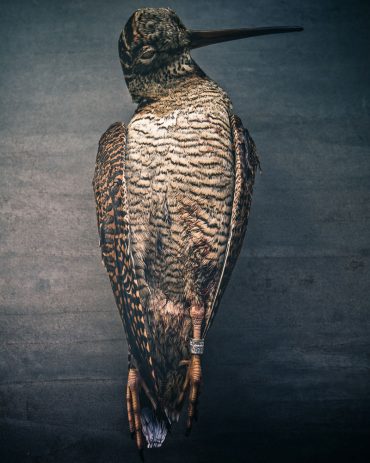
[180, 172]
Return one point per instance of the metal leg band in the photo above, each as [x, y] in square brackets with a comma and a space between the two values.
[196, 346]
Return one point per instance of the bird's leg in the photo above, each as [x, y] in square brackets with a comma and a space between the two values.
[194, 370]
[130, 415]
[133, 406]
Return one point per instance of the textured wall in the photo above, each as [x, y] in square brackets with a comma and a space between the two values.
[287, 362]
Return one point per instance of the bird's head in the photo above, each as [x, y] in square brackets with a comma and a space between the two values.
[154, 49]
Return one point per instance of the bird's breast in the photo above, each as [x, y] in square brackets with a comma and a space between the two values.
[180, 179]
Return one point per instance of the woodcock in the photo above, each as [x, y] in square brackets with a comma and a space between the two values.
[173, 191]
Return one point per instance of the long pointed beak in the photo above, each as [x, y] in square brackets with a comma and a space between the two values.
[202, 38]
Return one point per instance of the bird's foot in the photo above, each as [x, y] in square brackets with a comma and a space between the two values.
[192, 384]
[133, 408]
[195, 374]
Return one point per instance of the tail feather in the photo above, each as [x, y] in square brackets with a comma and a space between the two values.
[154, 428]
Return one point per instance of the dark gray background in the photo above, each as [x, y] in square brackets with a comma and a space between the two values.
[286, 369]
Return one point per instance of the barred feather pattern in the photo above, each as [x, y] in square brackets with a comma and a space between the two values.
[180, 176]
[173, 194]
[113, 225]
[246, 164]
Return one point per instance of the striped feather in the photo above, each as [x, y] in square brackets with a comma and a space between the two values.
[113, 225]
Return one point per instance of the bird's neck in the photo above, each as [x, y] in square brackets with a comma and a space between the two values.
[161, 81]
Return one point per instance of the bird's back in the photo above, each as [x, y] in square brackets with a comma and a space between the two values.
[180, 180]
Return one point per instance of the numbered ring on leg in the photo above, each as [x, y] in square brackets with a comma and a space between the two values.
[196, 346]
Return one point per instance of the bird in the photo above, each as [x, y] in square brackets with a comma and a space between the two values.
[173, 191]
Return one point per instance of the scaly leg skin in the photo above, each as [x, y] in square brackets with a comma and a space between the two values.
[194, 374]
[130, 415]
[133, 407]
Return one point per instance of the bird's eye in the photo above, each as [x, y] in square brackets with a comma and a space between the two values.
[148, 54]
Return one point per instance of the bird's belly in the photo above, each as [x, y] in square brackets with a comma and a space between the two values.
[180, 179]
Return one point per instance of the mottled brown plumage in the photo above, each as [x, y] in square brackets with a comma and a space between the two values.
[173, 192]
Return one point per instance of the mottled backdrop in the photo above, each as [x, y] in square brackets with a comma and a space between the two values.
[287, 363]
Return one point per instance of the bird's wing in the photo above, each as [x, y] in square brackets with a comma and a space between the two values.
[246, 163]
[113, 223]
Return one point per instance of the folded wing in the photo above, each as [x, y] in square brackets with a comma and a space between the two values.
[114, 231]
[246, 163]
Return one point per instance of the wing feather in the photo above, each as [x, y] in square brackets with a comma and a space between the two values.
[114, 231]
[246, 163]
